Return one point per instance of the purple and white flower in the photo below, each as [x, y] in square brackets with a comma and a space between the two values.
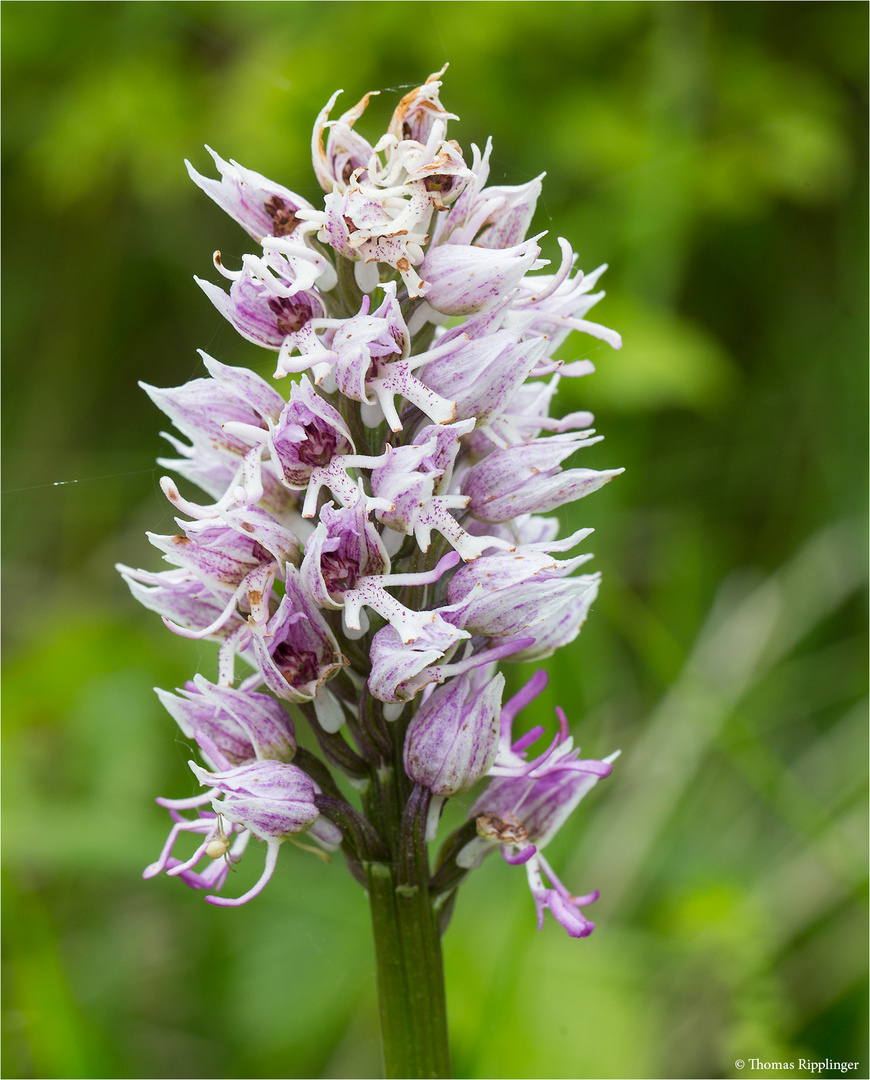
[452, 740]
[262, 207]
[370, 542]
[527, 802]
[245, 726]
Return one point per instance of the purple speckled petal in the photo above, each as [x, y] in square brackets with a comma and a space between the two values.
[461, 280]
[509, 224]
[399, 671]
[272, 799]
[200, 408]
[181, 597]
[482, 375]
[453, 738]
[259, 315]
[260, 206]
[559, 628]
[528, 479]
[216, 553]
[245, 725]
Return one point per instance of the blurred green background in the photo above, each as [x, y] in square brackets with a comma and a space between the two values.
[715, 155]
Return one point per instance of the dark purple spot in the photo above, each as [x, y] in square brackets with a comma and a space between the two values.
[290, 316]
[439, 182]
[259, 553]
[284, 221]
[339, 573]
[298, 668]
[318, 448]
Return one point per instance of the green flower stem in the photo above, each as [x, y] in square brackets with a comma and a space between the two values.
[411, 998]
[410, 970]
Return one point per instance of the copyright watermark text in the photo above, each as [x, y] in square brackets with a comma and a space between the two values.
[802, 1065]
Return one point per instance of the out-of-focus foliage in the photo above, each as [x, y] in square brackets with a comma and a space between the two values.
[715, 155]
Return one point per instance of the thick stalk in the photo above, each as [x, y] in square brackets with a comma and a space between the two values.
[410, 970]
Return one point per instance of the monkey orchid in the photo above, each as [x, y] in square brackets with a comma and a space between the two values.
[370, 542]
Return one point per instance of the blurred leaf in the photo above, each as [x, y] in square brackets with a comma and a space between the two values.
[666, 361]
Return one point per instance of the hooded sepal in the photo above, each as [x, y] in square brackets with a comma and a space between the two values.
[262, 207]
[453, 738]
[295, 650]
[244, 725]
[528, 479]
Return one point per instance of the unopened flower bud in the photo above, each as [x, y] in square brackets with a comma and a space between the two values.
[453, 739]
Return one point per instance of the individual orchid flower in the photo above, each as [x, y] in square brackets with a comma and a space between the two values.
[399, 671]
[295, 651]
[262, 207]
[235, 556]
[416, 152]
[420, 111]
[461, 280]
[183, 600]
[201, 408]
[369, 359]
[527, 802]
[244, 725]
[221, 554]
[509, 594]
[492, 217]
[272, 800]
[263, 307]
[482, 374]
[452, 740]
[408, 481]
[377, 226]
[346, 566]
[345, 152]
[269, 800]
[310, 447]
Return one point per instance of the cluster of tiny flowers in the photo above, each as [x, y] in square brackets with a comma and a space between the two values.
[373, 542]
